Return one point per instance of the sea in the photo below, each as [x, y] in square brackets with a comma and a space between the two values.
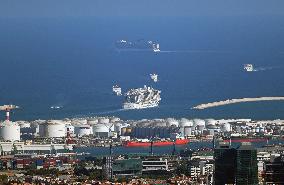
[72, 62]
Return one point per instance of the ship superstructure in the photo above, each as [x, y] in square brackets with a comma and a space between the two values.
[154, 77]
[117, 90]
[248, 67]
[137, 45]
[142, 98]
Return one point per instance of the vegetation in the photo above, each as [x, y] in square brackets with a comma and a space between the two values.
[43, 172]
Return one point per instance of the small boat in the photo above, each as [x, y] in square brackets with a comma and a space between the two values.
[117, 90]
[154, 77]
[248, 67]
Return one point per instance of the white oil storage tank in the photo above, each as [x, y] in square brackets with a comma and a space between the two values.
[226, 127]
[185, 123]
[101, 130]
[187, 131]
[210, 122]
[83, 130]
[92, 121]
[103, 120]
[10, 131]
[54, 129]
[172, 122]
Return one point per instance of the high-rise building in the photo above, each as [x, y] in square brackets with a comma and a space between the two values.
[225, 164]
[274, 171]
[246, 165]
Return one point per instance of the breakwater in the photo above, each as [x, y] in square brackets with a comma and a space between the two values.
[232, 101]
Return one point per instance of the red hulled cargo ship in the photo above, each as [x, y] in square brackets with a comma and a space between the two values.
[155, 143]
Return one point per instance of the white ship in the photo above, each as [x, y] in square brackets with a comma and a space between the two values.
[156, 47]
[248, 67]
[154, 77]
[140, 44]
[117, 90]
[142, 98]
[56, 107]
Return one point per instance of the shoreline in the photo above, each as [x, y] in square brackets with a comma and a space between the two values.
[233, 101]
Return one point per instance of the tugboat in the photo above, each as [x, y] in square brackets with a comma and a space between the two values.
[248, 67]
[154, 77]
[117, 90]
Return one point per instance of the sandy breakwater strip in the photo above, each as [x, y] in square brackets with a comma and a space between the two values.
[232, 101]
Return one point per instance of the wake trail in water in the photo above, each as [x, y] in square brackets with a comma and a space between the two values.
[193, 51]
[111, 111]
[266, 68]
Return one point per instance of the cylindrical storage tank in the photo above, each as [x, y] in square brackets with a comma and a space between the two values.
[210, 122]
[83, 130]
[114, 119]
[54, 128]
[128, 130]
[103, 120]
[123, 131]
[10, 131]
[187, 131]
[79, 122]
[185, 122]
[199, 122]
[172, 122]
[92, 121]
[117, 128]
[226, 127]
[100, 128]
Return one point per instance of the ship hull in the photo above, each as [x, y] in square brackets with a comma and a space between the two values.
[156, 143]
[139, 106]
[240, 140]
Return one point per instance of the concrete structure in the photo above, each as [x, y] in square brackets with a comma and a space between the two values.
[9, 131]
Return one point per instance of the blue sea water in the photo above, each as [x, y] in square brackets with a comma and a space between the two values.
[72, 62]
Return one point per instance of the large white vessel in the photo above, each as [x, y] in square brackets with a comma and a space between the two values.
[248, 67]
[142, 98]
[117, 90]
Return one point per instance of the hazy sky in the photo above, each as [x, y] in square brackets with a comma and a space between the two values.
[58, 8]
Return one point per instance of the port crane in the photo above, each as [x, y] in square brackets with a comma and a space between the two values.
[7, 109]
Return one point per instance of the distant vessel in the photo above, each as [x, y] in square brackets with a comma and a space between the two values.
[56, 107]
[155, 143]
[142, 98]
[248, 67]
[117, 90]
[156, 47]
[137, 45]
[154, 77]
